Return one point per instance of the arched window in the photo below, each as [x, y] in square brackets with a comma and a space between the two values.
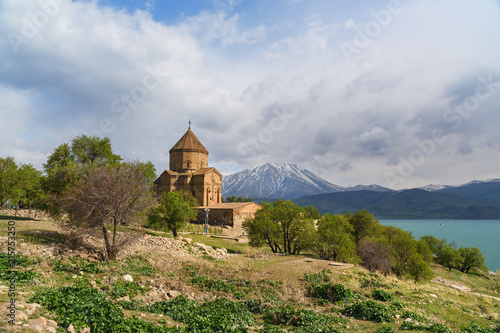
[201, 165]
[187, 165]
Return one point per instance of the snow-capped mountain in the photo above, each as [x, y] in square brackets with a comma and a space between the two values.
[433, 187]
[276, 180]
[373, 187]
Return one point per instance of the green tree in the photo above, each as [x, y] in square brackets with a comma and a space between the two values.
[364, 224]
[434, 244]
[449, 257]
[63, 165]
[423, 249]
[283, 226]
[335, 239]
[418, 268]
[9, 180]
[105, 197]
[171, 214]
[473, 260]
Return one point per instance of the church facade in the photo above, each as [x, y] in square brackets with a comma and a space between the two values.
[189, 171]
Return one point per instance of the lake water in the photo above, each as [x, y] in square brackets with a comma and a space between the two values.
[483, 234]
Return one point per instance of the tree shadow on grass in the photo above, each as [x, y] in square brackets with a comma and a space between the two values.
[15, 218]
[49, 237]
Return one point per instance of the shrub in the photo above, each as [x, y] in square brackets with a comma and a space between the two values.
[369, 310]
[440, 328]
[414, 316]
[321, 277]
[375, 255]
[220, 315]
[331, 292]
[411, 326]
[8, 262]
[475, 328]
[382, 295]
[385, 329]
[84, 306]
[306, 320]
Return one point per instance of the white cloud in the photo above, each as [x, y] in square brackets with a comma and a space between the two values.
[256, 92]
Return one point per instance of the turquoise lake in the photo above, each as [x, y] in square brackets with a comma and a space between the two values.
[483, 234]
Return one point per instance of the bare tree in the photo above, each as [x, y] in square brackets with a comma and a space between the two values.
[375, 255]
[106, 197]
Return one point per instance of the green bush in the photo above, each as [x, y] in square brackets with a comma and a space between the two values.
[220, 315]
[475, 328]
[385, 329]
[331, 292]
[411, 326]
[8, 262]
[303, 320]
[414, 316]
[84, 306]
[321, 277]
[440, 328]
[382, 295]
[369, 310]
[77, 265]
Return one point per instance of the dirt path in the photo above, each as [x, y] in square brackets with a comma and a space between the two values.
[453, 285]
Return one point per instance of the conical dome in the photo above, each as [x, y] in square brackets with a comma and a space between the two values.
[189, 143]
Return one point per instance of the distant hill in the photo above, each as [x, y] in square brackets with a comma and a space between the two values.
[276, 180]
[488, 190]
[408, 204]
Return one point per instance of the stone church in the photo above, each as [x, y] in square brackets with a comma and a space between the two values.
[189, 171]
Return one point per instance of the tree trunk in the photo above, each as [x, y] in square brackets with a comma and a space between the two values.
[109, 248]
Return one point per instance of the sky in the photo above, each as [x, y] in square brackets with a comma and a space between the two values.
[400, 93]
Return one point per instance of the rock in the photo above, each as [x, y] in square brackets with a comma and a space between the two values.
[20, 315]
[38, 321]
[51, 323]
[85, 330]
[187, 240]
[173, 293]
[433, 295]
[70, 329]
[336, 264]
[51, 330]
[128, 278]
[38, 328]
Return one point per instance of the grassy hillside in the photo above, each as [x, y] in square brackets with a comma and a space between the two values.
[205, 284]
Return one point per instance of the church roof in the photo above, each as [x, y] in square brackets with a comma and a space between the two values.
[204, 171]
[189, 142]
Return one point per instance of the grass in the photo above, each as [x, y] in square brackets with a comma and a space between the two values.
[272, 287]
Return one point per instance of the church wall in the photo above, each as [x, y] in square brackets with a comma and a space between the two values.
[179, 161]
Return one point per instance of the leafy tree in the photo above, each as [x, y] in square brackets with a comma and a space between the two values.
[418, 268]
[364, 224]
[63, 165]
[402, 249]
[262, 230]
[423, 249]
[237, 199]
[283, 226]
[449, 257]
[9, 180]
[472, 259]
[335, 239]
[434, 244]
[106, 197]
[172, 213]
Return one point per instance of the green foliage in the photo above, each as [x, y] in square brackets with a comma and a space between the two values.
[473, 260]
[335, 239]
[307, 320]
[236, 199]
[474, 328]
[213, 284]
[369, 310]
[123, 288]
[331, 292]
[8, 271]
[321, 277]
[382, 295]
[220, 315]
[449, 257]
[76, 265]
[283, 226]
[84, 306]
[364, 225]
[434, 244]
[419, 269]
[385, 329]
[414, 316]
[171, 214]
[411, 326]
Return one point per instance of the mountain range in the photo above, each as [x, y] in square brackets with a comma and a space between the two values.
[270, 181]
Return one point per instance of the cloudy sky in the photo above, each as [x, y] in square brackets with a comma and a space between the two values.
[400, 93]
